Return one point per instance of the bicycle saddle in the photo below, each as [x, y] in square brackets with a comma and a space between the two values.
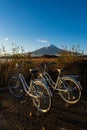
[60, 70]
[33, 71]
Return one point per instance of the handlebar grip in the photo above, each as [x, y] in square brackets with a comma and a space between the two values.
[43, 64]
[23, 63]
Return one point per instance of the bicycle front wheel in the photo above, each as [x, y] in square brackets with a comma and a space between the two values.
[43, 100]
[15, 87]
[70, 90]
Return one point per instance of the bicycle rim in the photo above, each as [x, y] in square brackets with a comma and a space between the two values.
[15, 87]
[43, 103]
[73, 93]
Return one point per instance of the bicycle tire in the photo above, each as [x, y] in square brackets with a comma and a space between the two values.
[43, 103]
[16, 87]
[73, 93]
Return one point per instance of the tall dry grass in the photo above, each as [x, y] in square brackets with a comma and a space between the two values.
[70, 63]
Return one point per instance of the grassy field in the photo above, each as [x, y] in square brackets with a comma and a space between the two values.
[71, 65]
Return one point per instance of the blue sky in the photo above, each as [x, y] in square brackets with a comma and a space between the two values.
[37, 23]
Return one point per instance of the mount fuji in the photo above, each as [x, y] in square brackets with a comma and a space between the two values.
[48, 50]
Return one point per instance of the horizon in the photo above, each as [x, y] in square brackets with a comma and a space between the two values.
[34, 24]
[51, 46]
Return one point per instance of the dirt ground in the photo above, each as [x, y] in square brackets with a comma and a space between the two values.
[22, 115]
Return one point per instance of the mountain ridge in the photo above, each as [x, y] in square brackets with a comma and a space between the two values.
[47, 50]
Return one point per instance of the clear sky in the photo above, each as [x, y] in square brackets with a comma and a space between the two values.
[37, 23]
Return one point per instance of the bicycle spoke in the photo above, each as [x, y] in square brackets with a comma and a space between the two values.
[43, 103]
[73, 93]
[15, 87]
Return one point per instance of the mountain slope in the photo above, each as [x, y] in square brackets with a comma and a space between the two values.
[49, 50]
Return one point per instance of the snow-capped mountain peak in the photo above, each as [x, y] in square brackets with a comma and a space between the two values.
[47, 50]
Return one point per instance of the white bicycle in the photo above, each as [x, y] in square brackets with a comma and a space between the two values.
[37, 90]
[66, 86]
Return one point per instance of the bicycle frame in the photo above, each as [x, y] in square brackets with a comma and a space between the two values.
[27, 88]
[45, 77]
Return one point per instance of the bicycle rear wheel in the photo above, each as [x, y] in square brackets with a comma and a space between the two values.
[15, 87]
[43, 103]
[72, 91]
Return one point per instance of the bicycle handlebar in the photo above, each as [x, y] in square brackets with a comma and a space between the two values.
[20, 65]
[51, 63]
[45, 65]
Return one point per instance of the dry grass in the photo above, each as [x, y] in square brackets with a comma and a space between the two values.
[72, 65]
